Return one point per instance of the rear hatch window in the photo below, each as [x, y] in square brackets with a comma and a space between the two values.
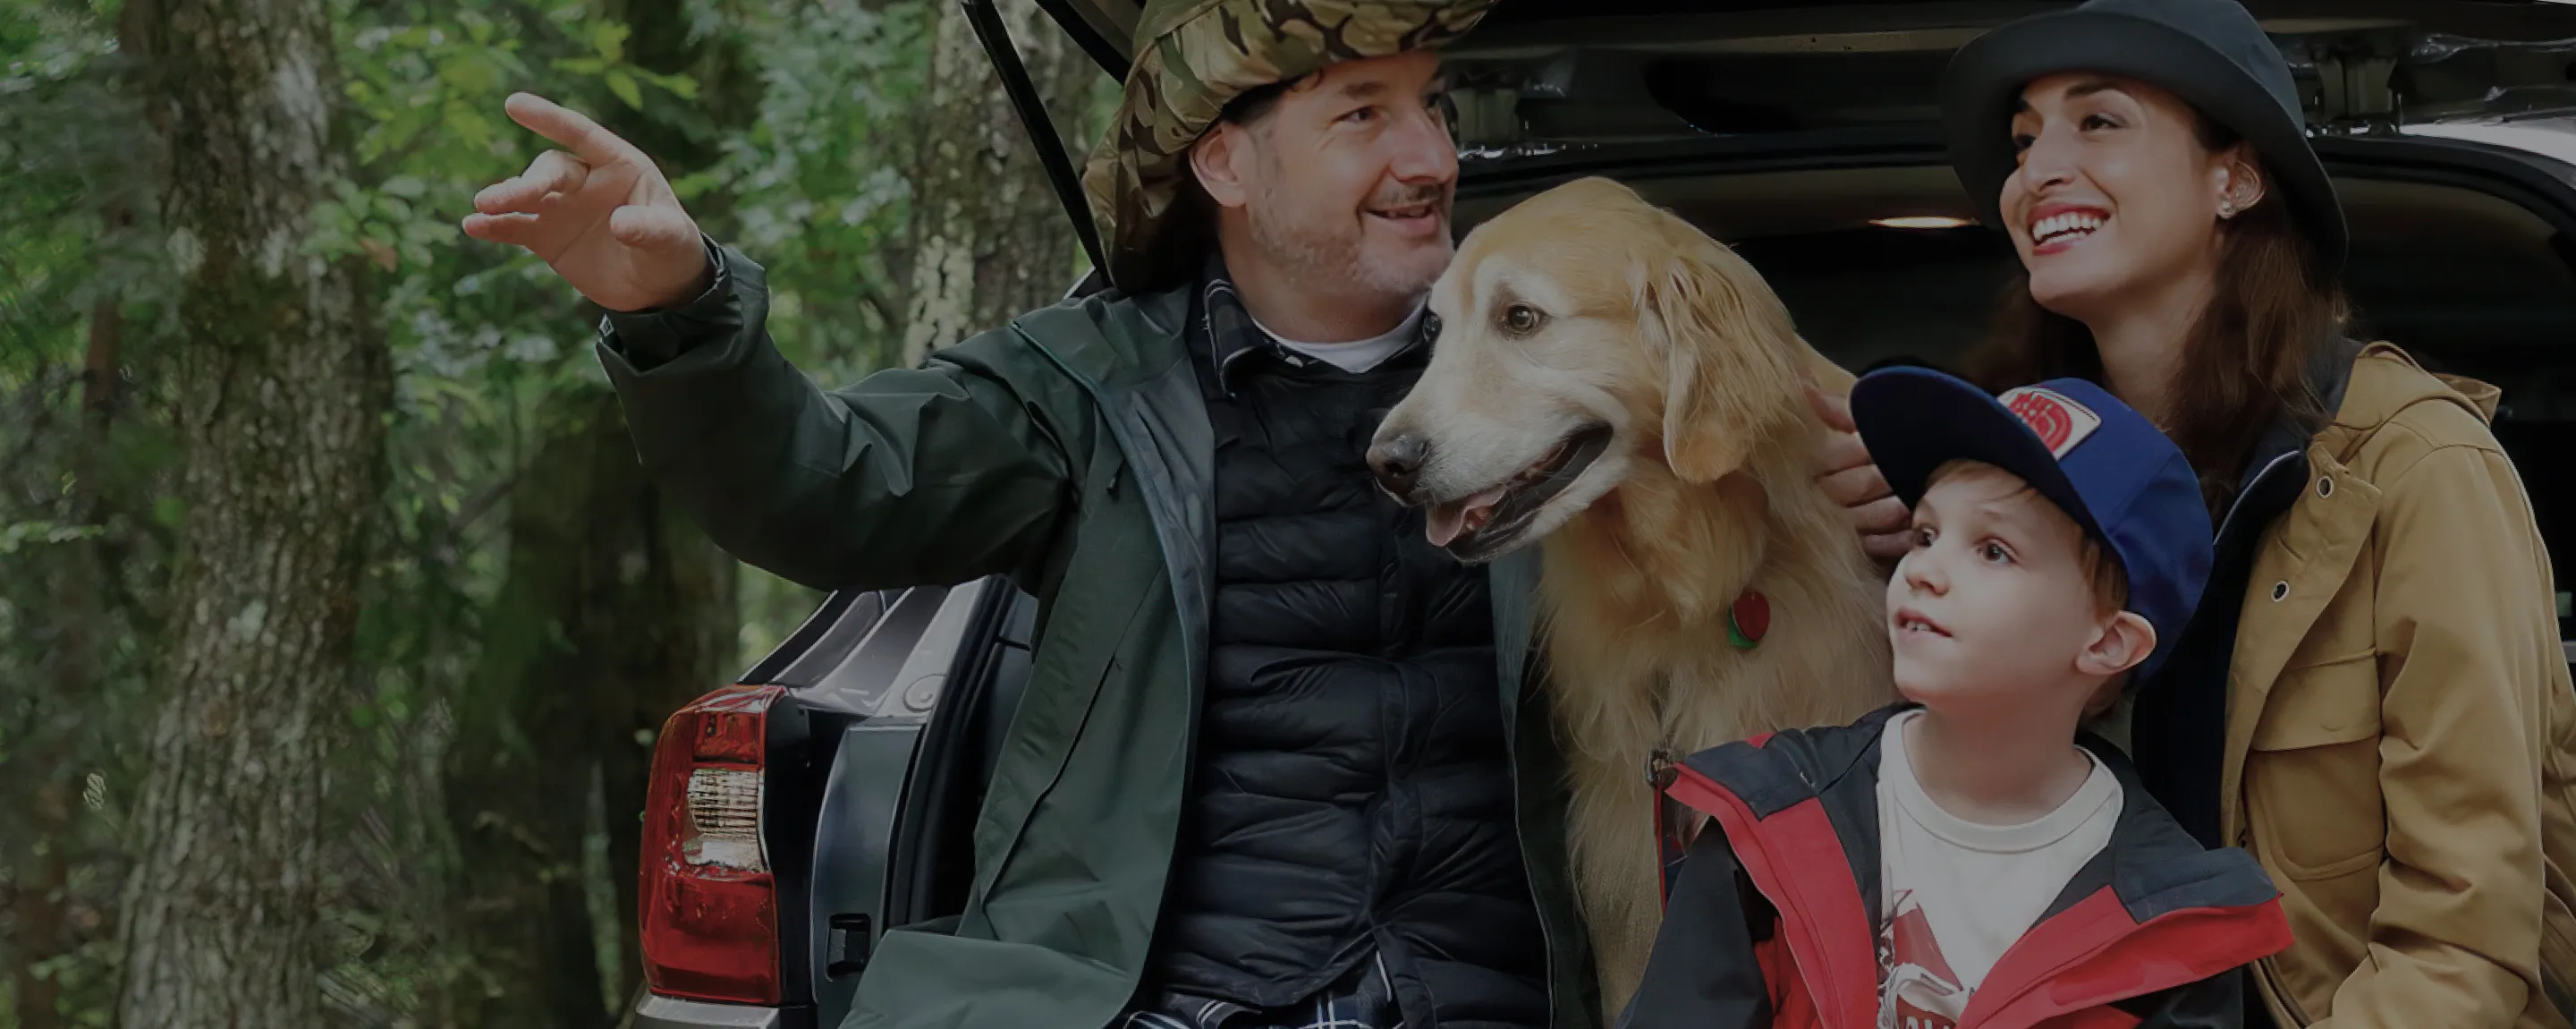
[1543, 77]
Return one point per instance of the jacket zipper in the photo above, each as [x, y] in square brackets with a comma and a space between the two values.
[1547, 932]
[2265, 968]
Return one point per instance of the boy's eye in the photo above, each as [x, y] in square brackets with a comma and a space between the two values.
[1923, 537]
[2099, 121]
[1993, 551]
[2023, 140]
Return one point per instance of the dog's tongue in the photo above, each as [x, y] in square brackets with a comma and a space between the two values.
[1449, 520]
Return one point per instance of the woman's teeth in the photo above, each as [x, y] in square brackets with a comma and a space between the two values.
[2058, 225]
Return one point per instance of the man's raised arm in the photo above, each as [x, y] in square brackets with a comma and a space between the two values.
[935, 475]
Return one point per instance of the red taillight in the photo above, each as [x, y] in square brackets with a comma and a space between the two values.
[710, 906]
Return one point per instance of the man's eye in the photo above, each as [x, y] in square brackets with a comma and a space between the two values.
[1361, 115]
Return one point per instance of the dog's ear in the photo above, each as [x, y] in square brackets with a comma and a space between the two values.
[1731, 373]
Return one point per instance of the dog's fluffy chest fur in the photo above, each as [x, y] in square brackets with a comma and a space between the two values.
[1636, 592]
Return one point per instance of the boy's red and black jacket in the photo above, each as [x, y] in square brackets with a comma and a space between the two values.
[1773, 919]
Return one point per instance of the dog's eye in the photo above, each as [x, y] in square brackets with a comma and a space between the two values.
[1521, 319]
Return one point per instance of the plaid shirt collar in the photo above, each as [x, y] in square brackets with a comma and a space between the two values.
[1225, 335]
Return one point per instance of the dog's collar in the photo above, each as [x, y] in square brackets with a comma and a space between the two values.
[1748, 620]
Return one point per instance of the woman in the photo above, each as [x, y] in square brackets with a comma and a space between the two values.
[2372, 697]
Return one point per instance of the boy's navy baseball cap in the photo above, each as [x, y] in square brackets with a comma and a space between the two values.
[2109, 468]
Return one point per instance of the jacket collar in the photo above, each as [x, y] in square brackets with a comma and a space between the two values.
[1228, 341]
[1787, 799]
[2329, 377]
[2277, 464]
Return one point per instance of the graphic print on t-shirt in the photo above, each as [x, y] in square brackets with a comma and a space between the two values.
[1954, 895]
[1917, 988]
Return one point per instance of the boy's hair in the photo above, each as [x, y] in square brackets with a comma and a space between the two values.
[2101, 566]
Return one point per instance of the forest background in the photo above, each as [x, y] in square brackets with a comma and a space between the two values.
[336, 615]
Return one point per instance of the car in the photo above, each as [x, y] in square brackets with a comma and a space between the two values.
[830, 794]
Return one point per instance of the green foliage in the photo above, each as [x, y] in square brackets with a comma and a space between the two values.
[801, 151]
[818, 182]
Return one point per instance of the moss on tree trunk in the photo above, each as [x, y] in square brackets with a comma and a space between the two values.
[989, 239]
[282, 385]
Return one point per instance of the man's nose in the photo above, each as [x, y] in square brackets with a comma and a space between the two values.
[1396, 461]
[1425, 150]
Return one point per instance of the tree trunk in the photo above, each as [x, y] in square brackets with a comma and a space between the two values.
[73, 674]
[616, 612]
[989, 239]
[281, 384]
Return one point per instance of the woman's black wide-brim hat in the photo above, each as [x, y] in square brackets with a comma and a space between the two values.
[2211, 53]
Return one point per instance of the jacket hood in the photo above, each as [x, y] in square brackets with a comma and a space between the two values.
[2386, 380]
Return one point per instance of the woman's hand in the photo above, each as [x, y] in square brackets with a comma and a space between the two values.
[598, 212]
[1852, 480]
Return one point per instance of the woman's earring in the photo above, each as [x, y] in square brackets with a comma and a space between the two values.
[2226, 210]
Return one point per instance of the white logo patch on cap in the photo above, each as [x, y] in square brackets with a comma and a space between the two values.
[2060, 422]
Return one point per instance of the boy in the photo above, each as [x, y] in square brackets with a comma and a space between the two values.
[1967, 857]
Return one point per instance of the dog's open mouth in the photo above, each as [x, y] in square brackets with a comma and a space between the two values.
[1482, 524]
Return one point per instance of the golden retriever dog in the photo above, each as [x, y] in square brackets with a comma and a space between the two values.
[1609, 379]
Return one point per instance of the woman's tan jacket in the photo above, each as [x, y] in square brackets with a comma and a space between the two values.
[2401, 731]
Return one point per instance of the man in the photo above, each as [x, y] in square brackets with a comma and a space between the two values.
[1279, 762]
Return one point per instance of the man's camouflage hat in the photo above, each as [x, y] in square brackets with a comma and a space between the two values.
[1193, 56]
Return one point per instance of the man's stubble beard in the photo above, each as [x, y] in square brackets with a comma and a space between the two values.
[1331, 252]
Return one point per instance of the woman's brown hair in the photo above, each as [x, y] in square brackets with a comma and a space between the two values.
[2245, 361]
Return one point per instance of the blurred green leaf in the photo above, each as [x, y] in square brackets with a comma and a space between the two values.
[624, 86]
[608, 39]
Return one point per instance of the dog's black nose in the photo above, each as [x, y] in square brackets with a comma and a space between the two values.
[1396, 461]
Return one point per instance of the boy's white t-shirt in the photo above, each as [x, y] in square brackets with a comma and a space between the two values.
[1954, 895]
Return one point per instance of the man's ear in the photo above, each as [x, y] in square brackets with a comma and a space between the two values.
[1730, 374]
[1213, 160]
[2125, 641]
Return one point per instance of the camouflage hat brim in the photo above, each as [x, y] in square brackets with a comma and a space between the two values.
[1194, 56]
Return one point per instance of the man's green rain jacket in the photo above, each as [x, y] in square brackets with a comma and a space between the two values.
[1071, 452]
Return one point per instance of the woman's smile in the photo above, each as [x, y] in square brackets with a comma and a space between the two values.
[2057, 227]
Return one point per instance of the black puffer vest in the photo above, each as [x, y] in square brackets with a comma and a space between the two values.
[1352, 794]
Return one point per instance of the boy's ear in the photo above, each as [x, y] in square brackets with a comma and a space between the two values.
[2125, 641]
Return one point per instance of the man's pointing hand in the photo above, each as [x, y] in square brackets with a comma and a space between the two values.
[597, 211]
